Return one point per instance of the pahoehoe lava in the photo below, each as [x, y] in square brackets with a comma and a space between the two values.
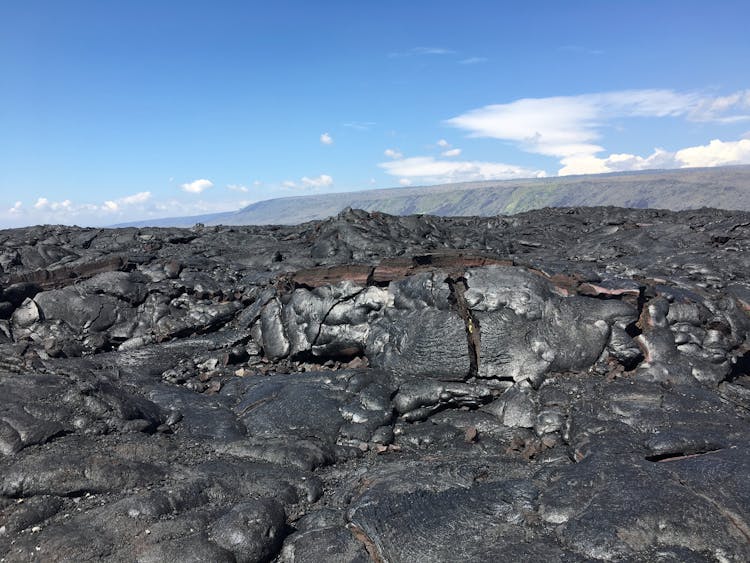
[559, 385]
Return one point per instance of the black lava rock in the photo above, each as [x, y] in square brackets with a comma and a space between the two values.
[559, 385]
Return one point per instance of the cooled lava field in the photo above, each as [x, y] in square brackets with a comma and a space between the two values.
[561, 385]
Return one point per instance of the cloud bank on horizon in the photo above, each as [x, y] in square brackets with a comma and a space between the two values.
[109, 115]
[569, 127]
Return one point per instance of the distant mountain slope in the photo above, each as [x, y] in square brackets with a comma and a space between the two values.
[722, 187]
[189, 221]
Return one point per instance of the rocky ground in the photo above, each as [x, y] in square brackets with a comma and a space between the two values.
[561, 385]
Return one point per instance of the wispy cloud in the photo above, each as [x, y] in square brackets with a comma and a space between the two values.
[197, 186]
[308, 183]
[422, 51]
[16, 208]
[237, 188]
[580, 49]
[176, 207]
[393, 153]
[437, 52]
[723, 109]
[449, 152]
[427, 169]
[359, 125]
[473, 61]
[326, 139]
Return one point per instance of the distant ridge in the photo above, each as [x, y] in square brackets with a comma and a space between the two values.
[726, 187]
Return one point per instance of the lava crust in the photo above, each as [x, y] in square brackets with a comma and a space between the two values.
[560, 385]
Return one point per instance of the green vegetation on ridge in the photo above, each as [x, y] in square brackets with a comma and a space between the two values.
[722, 187]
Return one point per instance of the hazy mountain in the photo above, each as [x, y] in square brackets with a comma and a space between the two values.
[722, 187]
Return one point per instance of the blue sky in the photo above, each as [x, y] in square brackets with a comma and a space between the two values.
[114, 111]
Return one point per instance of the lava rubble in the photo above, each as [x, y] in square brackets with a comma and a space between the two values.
[560, 385]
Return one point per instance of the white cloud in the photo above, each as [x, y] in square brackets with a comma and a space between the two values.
[570, 126]
[130, 200]
[591, 164]
[324, 180]
[427, 169]
[44, 203]
[449, 152]
[140, 197]
[237, 188]
[715, 153]
[308, 183]
[326, 139]
[393, 153]
[197, 186]
[405, 182]
[45, 211]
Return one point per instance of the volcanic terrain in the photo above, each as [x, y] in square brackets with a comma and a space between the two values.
[566, 384]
